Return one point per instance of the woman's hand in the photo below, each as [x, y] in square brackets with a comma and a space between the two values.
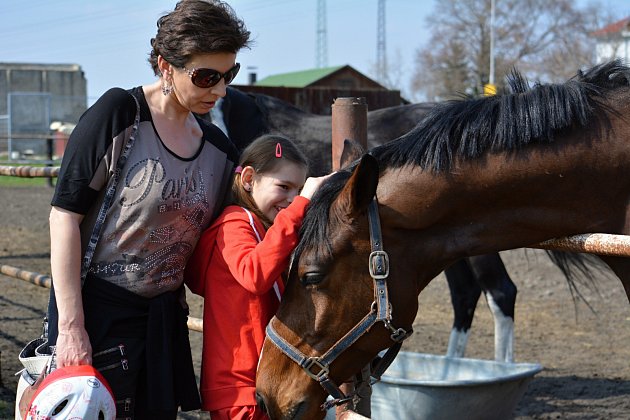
[73, 348]
[312, 184]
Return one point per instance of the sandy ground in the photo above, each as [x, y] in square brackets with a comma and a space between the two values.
[585, 353]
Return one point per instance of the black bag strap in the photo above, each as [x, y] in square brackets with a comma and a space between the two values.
[109, 196]
[50, 321]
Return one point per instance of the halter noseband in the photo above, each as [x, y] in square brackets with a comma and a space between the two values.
[318, 367]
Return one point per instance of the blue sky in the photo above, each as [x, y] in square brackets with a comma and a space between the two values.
[109, 39]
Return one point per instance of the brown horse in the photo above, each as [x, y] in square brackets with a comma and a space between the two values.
[467, 278]
[476, 176]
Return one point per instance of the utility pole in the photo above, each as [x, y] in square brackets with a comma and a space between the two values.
[491, 88]
[492, 42]
[381, 50]
[321, 53]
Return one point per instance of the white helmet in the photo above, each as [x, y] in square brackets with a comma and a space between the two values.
[72, 392]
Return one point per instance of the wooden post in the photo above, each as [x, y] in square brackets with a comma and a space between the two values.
[349, 121]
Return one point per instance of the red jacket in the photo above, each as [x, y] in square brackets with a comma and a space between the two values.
[235, 274]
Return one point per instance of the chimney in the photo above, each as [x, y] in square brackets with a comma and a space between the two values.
[252, 75]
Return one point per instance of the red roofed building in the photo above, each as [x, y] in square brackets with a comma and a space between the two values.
[613, 41]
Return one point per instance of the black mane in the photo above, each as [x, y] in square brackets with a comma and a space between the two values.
[470, 127]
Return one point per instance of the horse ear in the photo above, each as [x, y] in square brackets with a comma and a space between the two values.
[352, 150]
[360, 188]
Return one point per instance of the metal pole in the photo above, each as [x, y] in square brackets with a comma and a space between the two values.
[9, 127]
[349, 121]
[491, 81]
[50, 152]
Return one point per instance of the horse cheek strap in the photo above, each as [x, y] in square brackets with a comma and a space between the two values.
[318, 367]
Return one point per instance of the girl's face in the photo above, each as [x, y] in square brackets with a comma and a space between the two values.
[199, 99]
[274, 191]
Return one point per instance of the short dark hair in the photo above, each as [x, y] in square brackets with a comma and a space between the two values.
[261, 155]
[197, 27]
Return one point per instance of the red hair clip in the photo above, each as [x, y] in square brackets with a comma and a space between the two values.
[278, 150]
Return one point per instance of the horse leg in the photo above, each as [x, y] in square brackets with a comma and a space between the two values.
[465, 293]
[500, 292]
[621, 267]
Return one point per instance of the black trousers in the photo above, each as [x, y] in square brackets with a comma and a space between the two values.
[141, 347]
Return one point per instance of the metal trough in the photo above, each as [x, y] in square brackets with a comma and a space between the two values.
[423, 386]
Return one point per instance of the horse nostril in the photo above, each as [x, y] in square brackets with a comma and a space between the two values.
[261, 403]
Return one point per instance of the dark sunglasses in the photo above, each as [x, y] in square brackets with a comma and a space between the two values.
[206, 78]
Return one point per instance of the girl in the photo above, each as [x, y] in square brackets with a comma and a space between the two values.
[238, 266]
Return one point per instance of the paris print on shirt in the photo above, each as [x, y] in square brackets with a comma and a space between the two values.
[157, 255]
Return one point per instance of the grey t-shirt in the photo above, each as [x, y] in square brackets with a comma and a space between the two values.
[162, 203]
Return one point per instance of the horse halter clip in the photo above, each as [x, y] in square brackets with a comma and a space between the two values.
[318, 367]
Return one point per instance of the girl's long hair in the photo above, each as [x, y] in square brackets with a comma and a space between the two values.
[264, 155]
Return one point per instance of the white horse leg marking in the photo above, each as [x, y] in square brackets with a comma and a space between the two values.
[503, 333]
[457, 343]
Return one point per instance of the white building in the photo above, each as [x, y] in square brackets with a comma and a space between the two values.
[613, 41]
[32, 96]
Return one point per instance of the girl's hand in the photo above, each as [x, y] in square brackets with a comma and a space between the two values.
[312, 184]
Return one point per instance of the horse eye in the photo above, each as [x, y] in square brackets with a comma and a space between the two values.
[312, 278]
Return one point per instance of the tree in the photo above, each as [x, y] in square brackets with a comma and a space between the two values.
[545, 40]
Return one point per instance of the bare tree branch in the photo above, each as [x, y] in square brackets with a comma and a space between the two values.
[546, 40]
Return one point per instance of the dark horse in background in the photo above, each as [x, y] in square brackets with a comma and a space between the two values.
[245, 116]
[475, 176]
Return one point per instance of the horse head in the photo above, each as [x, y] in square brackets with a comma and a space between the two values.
[334, 318]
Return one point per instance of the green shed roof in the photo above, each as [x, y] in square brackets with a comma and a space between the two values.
[298, 79]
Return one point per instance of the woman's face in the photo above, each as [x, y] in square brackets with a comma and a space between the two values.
[198, 99]
[275, 190]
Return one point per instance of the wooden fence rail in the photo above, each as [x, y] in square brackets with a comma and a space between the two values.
[30, 171]
[591, 243]
[194, 324]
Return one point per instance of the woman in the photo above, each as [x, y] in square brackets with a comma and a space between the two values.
[127, 317]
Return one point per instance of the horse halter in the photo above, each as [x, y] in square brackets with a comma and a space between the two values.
[318, 367]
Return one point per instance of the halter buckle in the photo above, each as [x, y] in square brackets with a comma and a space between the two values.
[379, 265]
[399, 335]
[314, 361]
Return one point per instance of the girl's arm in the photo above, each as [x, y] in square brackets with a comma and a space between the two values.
[256, 266]
[73, 343]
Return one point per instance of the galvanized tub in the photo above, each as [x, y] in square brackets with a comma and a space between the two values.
[424, 386]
